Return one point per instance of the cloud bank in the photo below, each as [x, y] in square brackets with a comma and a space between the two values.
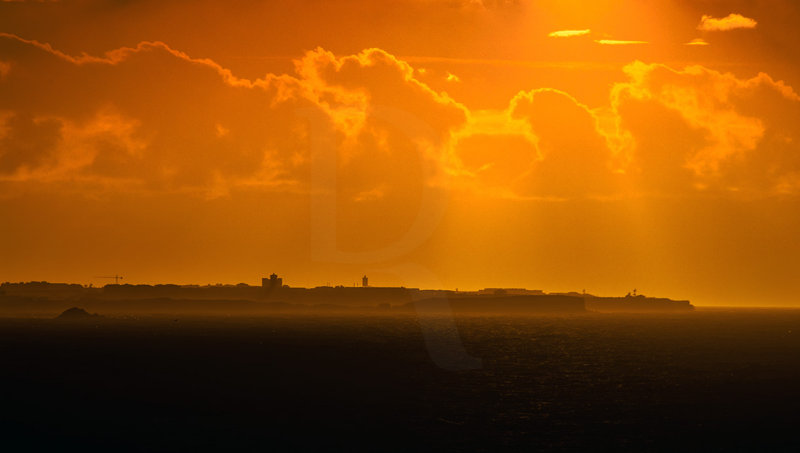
[153, 119]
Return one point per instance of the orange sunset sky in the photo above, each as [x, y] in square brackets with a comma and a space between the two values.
[553, 144]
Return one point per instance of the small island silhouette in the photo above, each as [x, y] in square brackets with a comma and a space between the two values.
[77, 314]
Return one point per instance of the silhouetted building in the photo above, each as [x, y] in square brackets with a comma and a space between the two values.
[272, 282]
[364, 281]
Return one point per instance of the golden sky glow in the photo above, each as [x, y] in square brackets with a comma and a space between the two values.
[605, 146]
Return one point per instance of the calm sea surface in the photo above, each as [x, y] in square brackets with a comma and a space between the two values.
[709, 380]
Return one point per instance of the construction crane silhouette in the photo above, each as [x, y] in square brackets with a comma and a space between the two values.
[116, 278]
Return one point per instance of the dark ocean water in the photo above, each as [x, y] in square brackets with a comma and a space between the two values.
[708, 380]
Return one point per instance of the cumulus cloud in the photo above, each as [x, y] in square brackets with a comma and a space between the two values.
[576, 160]
[700, 129]
[569, 33]
[150, 96]
[665, 132]
[729, 22]
[122, 54]
[43, 149]
[195, 126]
[359, 136]
[493, 155]
[545, 145]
